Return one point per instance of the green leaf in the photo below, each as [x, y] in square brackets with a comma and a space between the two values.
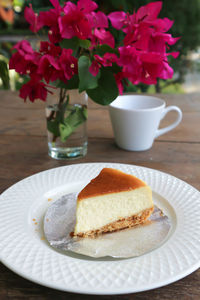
[54, 122]
[101, 50]
[53, 127]
[72, 121]
[84, 43]
[107, 89]
[85, 112]
[68, 118]
[114, 68]
[72, 43]
[76, 117]
[86, 79]
[65, 131]
[4, 75]
[71, 84]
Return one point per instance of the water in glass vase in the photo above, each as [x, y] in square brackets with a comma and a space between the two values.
[67, 130]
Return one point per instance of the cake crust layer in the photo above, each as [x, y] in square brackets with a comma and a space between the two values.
[119, 224]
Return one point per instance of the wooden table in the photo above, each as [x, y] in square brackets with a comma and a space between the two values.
[23, 152]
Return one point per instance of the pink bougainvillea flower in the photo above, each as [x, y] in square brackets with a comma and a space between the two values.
[143, 56]
[152, 66]
[32, 18]
[56, 4]
[69, 65]
[101, 36]
[94, 68]
[119, 77]
[18, 63]
[50, 19]
[143, 66]
[51, 49]
[129, 60]
[162, 25]
[106, 61]
[24, 47]
[143, 26]
[150, 57]
[74, 23]
[148, 12]
[145, 36]
[167, 71]
[97, 19]
[109, 58]
[174, 54]
[169, 39]
[158, 41]
[118, 19]
[155, 66]
[54, 34]
[34, 89]
[87, 6]
[49, 68]
[26, 51]
[25, 60]
[138, 37]
[96, 65]
[79, 20]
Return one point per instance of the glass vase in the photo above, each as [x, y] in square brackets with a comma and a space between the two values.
[66, 118]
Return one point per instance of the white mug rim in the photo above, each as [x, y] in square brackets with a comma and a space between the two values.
[162, 103]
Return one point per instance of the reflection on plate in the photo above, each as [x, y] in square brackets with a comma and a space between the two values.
[25, 251]
[60, 219]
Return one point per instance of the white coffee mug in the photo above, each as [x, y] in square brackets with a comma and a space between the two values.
[135, 120]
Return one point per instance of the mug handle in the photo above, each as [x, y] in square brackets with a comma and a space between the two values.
[173, 125]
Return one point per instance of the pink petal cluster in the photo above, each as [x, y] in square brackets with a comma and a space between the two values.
[72, 20]
[50, 63]
[25, 60]
[144, 57]
[34, 89]
[107, 61]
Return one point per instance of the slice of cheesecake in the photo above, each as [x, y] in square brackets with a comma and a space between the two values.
[112, 201]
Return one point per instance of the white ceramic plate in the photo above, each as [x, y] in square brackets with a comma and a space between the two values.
[24, 250]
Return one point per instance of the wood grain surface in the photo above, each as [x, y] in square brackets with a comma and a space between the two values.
[23, 152]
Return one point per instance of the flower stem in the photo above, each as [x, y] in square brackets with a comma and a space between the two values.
[62, 95]
[50, 117]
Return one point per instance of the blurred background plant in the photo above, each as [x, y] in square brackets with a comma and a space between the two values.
[4, 58]
[13, 28]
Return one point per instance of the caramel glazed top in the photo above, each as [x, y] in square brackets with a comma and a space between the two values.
[110, 181]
